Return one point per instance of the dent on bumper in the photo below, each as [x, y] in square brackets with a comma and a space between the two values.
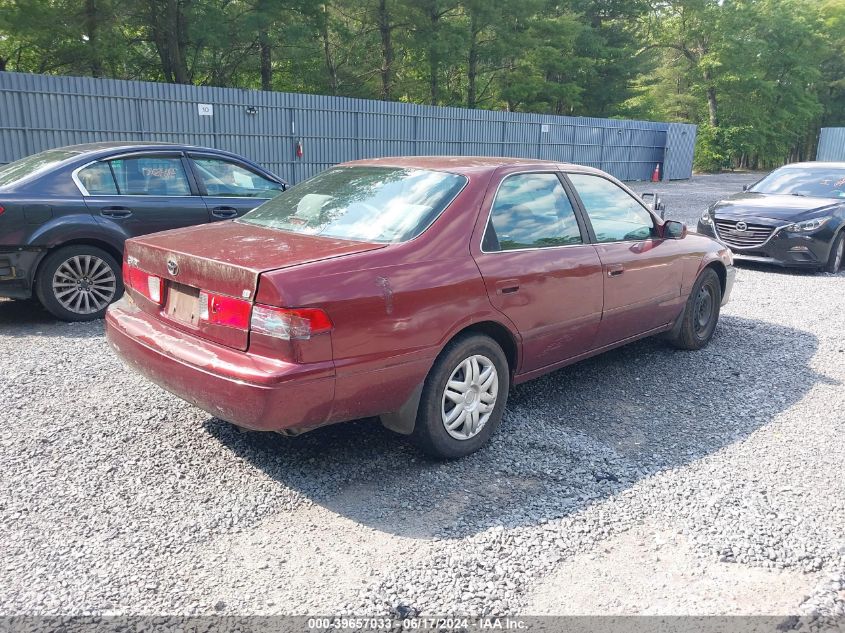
[248, 390]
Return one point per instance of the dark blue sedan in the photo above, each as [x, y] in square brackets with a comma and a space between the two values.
[65, 213]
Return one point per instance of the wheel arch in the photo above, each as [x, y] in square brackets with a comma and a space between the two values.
[720, 269]
[80, 241]
[404, 420]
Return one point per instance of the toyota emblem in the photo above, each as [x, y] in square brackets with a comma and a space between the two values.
[172, 267]
[740, 226]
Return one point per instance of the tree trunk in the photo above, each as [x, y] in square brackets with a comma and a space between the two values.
[91, 31]
[386, 51]
[331, 67]
[266, 60]
[712, 105]
[3, 62]
[176, 41]
[434, 54]
[472, 63]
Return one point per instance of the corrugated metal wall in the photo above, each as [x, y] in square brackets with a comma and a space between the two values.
[39, 112]
[831, 144]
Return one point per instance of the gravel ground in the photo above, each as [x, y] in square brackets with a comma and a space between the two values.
[718, 472]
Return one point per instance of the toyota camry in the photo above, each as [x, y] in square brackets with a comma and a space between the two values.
[414, 289]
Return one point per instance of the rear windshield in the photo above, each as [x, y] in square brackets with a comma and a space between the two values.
[31, 164]
[813, 182]
[373, 204]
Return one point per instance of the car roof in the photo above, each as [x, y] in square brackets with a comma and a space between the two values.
[466, 165]
[819, 163]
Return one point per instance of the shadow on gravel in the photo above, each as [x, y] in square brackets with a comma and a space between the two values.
[572, 438]
[784, 272]
[29, 318]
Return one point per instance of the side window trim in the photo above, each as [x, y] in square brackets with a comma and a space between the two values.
[128, 156]
[574, 202]
[583, 210]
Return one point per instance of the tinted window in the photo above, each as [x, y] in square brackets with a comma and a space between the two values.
[150, 176]
[222, 178]
[97, 180]
[379, 204]
[814, 182]
[31, 164]
[531, 211]
[615, 215]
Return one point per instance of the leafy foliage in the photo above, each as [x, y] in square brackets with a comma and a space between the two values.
[759, 76]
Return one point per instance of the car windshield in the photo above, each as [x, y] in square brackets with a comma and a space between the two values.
[814, 182]
[374, 204]
[24, 167]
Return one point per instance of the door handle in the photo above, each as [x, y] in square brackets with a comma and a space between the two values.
[116, 212]
[224, 212]
[614, 270]
[507, 287]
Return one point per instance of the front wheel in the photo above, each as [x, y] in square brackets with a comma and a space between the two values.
[701, 313]
[837, 254]
[77, 283]
[463, 398]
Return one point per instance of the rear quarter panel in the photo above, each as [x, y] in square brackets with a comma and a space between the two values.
[393, 309]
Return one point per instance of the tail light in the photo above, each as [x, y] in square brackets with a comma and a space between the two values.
[151, 286]
[223, 310]
[2, 210]
[289, 323]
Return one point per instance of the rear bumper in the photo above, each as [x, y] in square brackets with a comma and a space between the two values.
[252, 391]
[17, 269]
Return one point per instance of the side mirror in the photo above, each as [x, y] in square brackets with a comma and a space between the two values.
[746, 187]
[674, 230]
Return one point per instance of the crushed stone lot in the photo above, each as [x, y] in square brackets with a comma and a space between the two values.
[647, 480]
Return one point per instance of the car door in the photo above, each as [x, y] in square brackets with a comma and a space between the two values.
[539, 269]
[230, 188]
[141, 193]
[642, 272]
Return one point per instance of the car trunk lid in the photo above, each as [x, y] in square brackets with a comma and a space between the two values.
[223, 260]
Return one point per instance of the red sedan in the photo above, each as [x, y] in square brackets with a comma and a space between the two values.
[414, 289]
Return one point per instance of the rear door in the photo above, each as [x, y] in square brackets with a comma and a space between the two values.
[642, 272]
[539, 268]
[142, 193]
[230, 188]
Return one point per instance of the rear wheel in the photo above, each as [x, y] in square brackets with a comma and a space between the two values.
[77, 283]
[701, 313]
[837, 254]
[463, 398]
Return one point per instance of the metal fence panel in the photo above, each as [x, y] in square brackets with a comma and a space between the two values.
[831, 144]
[38, 112]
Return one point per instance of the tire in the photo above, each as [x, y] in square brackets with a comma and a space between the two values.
[837, 254]
[77, 283]
[462, 355]
[701, 313]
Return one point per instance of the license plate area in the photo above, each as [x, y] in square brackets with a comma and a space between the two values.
[183, 303]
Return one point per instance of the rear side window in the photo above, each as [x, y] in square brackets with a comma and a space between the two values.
[98, 180]
[150, 176]
[615, 215]
[223, 178]
[531, 211]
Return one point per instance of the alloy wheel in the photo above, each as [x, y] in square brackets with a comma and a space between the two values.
[84, 284]
[469, 397]
[840, 253]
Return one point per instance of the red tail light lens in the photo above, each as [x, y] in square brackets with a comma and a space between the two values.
[224, 310]
[289, 323]
[2, 209]
[151, 286]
